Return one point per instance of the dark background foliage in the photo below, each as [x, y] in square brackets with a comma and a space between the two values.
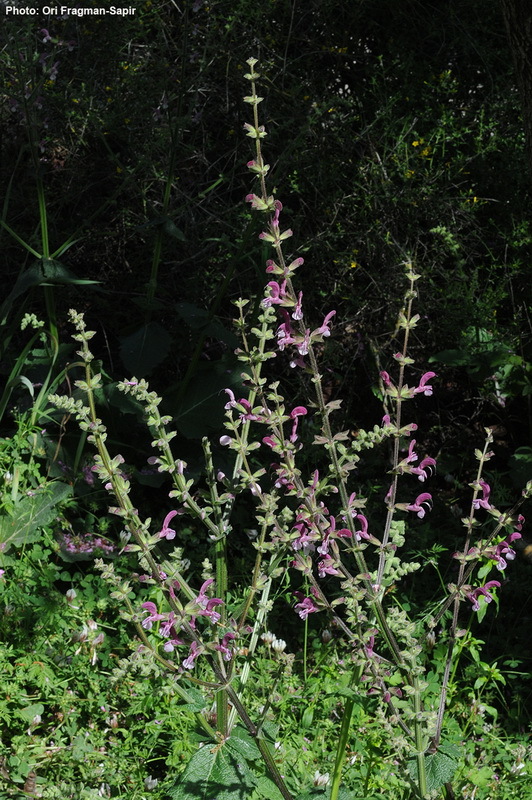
[394, 131]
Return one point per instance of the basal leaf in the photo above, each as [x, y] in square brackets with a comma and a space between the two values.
[214, 773]
[31, 514]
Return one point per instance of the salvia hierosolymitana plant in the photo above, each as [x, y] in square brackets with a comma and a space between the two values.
[311, 521]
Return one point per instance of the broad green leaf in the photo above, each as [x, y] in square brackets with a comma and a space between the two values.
[440, 768]
[242, 744]
[28, 713]
[31, 514]
[455, 358]
[267, 789]
[145, 349]
[200, 320]
[55, 272]
[214, 773]
[202, 409]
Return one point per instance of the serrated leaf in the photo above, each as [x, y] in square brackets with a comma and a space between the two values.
[197, 701]
[31, 514]
[440, 769]
[242, 744]
[267, 789]
[214, 772]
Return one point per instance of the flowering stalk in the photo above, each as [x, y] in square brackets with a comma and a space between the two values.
[468, 561]
[296, 334]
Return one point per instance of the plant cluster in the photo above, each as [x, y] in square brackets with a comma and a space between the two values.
[313, 529]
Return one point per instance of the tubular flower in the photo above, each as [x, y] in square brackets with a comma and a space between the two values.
[421, 471]
[194, 652]
[324, 329]
[153, 615]
[224, 648]
[484, 591]
[299, 411]
[422, 503]
[166, 532]
[305, 606]
[504, 552]
[424, 387]
[277, 294]
[327, 567]
[484, 501]
[332, 533]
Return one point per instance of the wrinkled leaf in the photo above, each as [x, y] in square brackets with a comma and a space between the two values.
[214, 772]
[267, 789]
[31, 514]
[440, 767]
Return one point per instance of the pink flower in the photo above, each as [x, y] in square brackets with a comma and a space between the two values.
[482, 590]
[299, 411]
[306, 605]
[362, 534]
[419, 506]
[223, 647]
[306, 539]
[232, 401]
[332, 533]
[484, 501]
[297, 313]
[206, 604]
[277, 294]
[275, 218]
[423, 387]
[503, 551]
[171, 644]
[167, 532]
[326, 567]
[324, 329]
[285, 334]
[421, 471]
[303, 343]
[153, 615]
[194, 652]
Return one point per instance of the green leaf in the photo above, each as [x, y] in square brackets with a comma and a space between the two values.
[29, 712]
[202, 408]
[167, 225]
[440, 768]
[31, 514]
[455, 358]
[267, 789]
[242, 744]
[55, 272]
[214, 772]
[200, 320]
[197, 701]
[324, 792]
[145, 349]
